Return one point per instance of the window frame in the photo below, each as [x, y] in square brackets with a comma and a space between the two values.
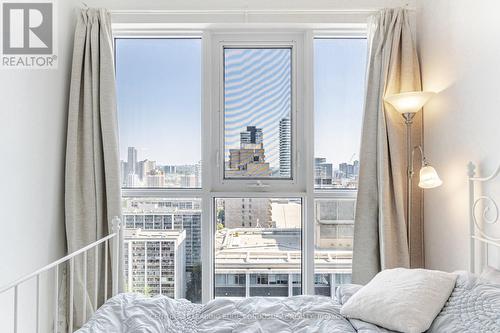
[213, 184]
[259, 39]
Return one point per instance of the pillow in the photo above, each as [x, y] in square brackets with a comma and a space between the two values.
[490, 275]
[400, 299]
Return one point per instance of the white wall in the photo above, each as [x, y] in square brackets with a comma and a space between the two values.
[32, 144]
[460, 58]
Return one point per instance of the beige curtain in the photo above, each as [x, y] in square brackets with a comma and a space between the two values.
[380, 239]
[92, 193]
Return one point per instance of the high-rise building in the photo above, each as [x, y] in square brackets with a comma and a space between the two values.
[155, 178]
[348, 170]
[169, 214]
[188, 180]
[247, 213]
[323, 172]
[198, 172]
[252, 136]
[131, 161]
[132, 180]
[144, 168]
[123, 173]
[154, 262]
[249, 160]
[356, 168]
[285, 147]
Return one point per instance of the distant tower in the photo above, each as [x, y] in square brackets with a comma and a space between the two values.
[252, 136]
[285, 147]
[131, 161]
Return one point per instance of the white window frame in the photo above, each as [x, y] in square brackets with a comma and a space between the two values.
[212, 156]
[262, 39]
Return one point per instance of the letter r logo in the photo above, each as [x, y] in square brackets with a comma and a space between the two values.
[27, 28]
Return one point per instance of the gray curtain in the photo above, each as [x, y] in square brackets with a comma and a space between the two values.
[92, 189]
[380, 232]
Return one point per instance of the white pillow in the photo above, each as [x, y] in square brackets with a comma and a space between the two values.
[400, 299]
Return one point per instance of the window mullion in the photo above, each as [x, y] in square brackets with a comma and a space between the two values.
[308, 170]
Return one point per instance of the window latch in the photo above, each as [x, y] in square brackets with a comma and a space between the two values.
[258, 184]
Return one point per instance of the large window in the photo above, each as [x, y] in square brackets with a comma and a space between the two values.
[257, 112]
[276, 203]
[159, 109]
[339, 80]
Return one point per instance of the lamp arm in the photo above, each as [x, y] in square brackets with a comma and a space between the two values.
[422, 157]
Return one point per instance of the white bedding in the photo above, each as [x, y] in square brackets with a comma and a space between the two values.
[135, 313]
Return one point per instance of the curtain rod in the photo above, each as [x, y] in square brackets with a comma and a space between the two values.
[247, 11]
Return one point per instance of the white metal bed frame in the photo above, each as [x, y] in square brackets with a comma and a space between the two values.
[483, 210]
[114, 238]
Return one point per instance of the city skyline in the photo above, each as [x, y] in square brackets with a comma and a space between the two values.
[166, 87]
[345, 173]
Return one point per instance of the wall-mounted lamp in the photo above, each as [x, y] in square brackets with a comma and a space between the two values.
[408, 104]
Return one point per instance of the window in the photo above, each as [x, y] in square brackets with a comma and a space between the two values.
[339, 81]
[257, 112]
[261, 245]
[237, 108]
[339, 87]
[159, 107]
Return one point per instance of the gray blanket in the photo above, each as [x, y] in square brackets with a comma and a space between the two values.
[133, 313]
[474, 306]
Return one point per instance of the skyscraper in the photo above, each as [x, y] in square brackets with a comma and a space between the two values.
[252, 136]
[247, 212]
[154, 261]
[160, 215]
[249, 160]
[131, 161]
[285, 147]
[323, 172]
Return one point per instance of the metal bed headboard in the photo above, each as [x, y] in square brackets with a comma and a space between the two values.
[483, 211]
[111, 242]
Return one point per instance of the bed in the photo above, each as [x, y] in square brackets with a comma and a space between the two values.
[473, 306]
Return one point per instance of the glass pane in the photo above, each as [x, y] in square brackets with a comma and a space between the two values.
[339, 81]
[257, 112]
[334, 231]
[258, 247]
[162, 246]
[159, 107]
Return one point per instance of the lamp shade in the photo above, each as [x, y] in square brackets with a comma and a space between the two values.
[429, 177]
[409, 102]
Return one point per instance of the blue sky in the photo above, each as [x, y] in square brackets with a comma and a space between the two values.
[339, 75]
[159, 98]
